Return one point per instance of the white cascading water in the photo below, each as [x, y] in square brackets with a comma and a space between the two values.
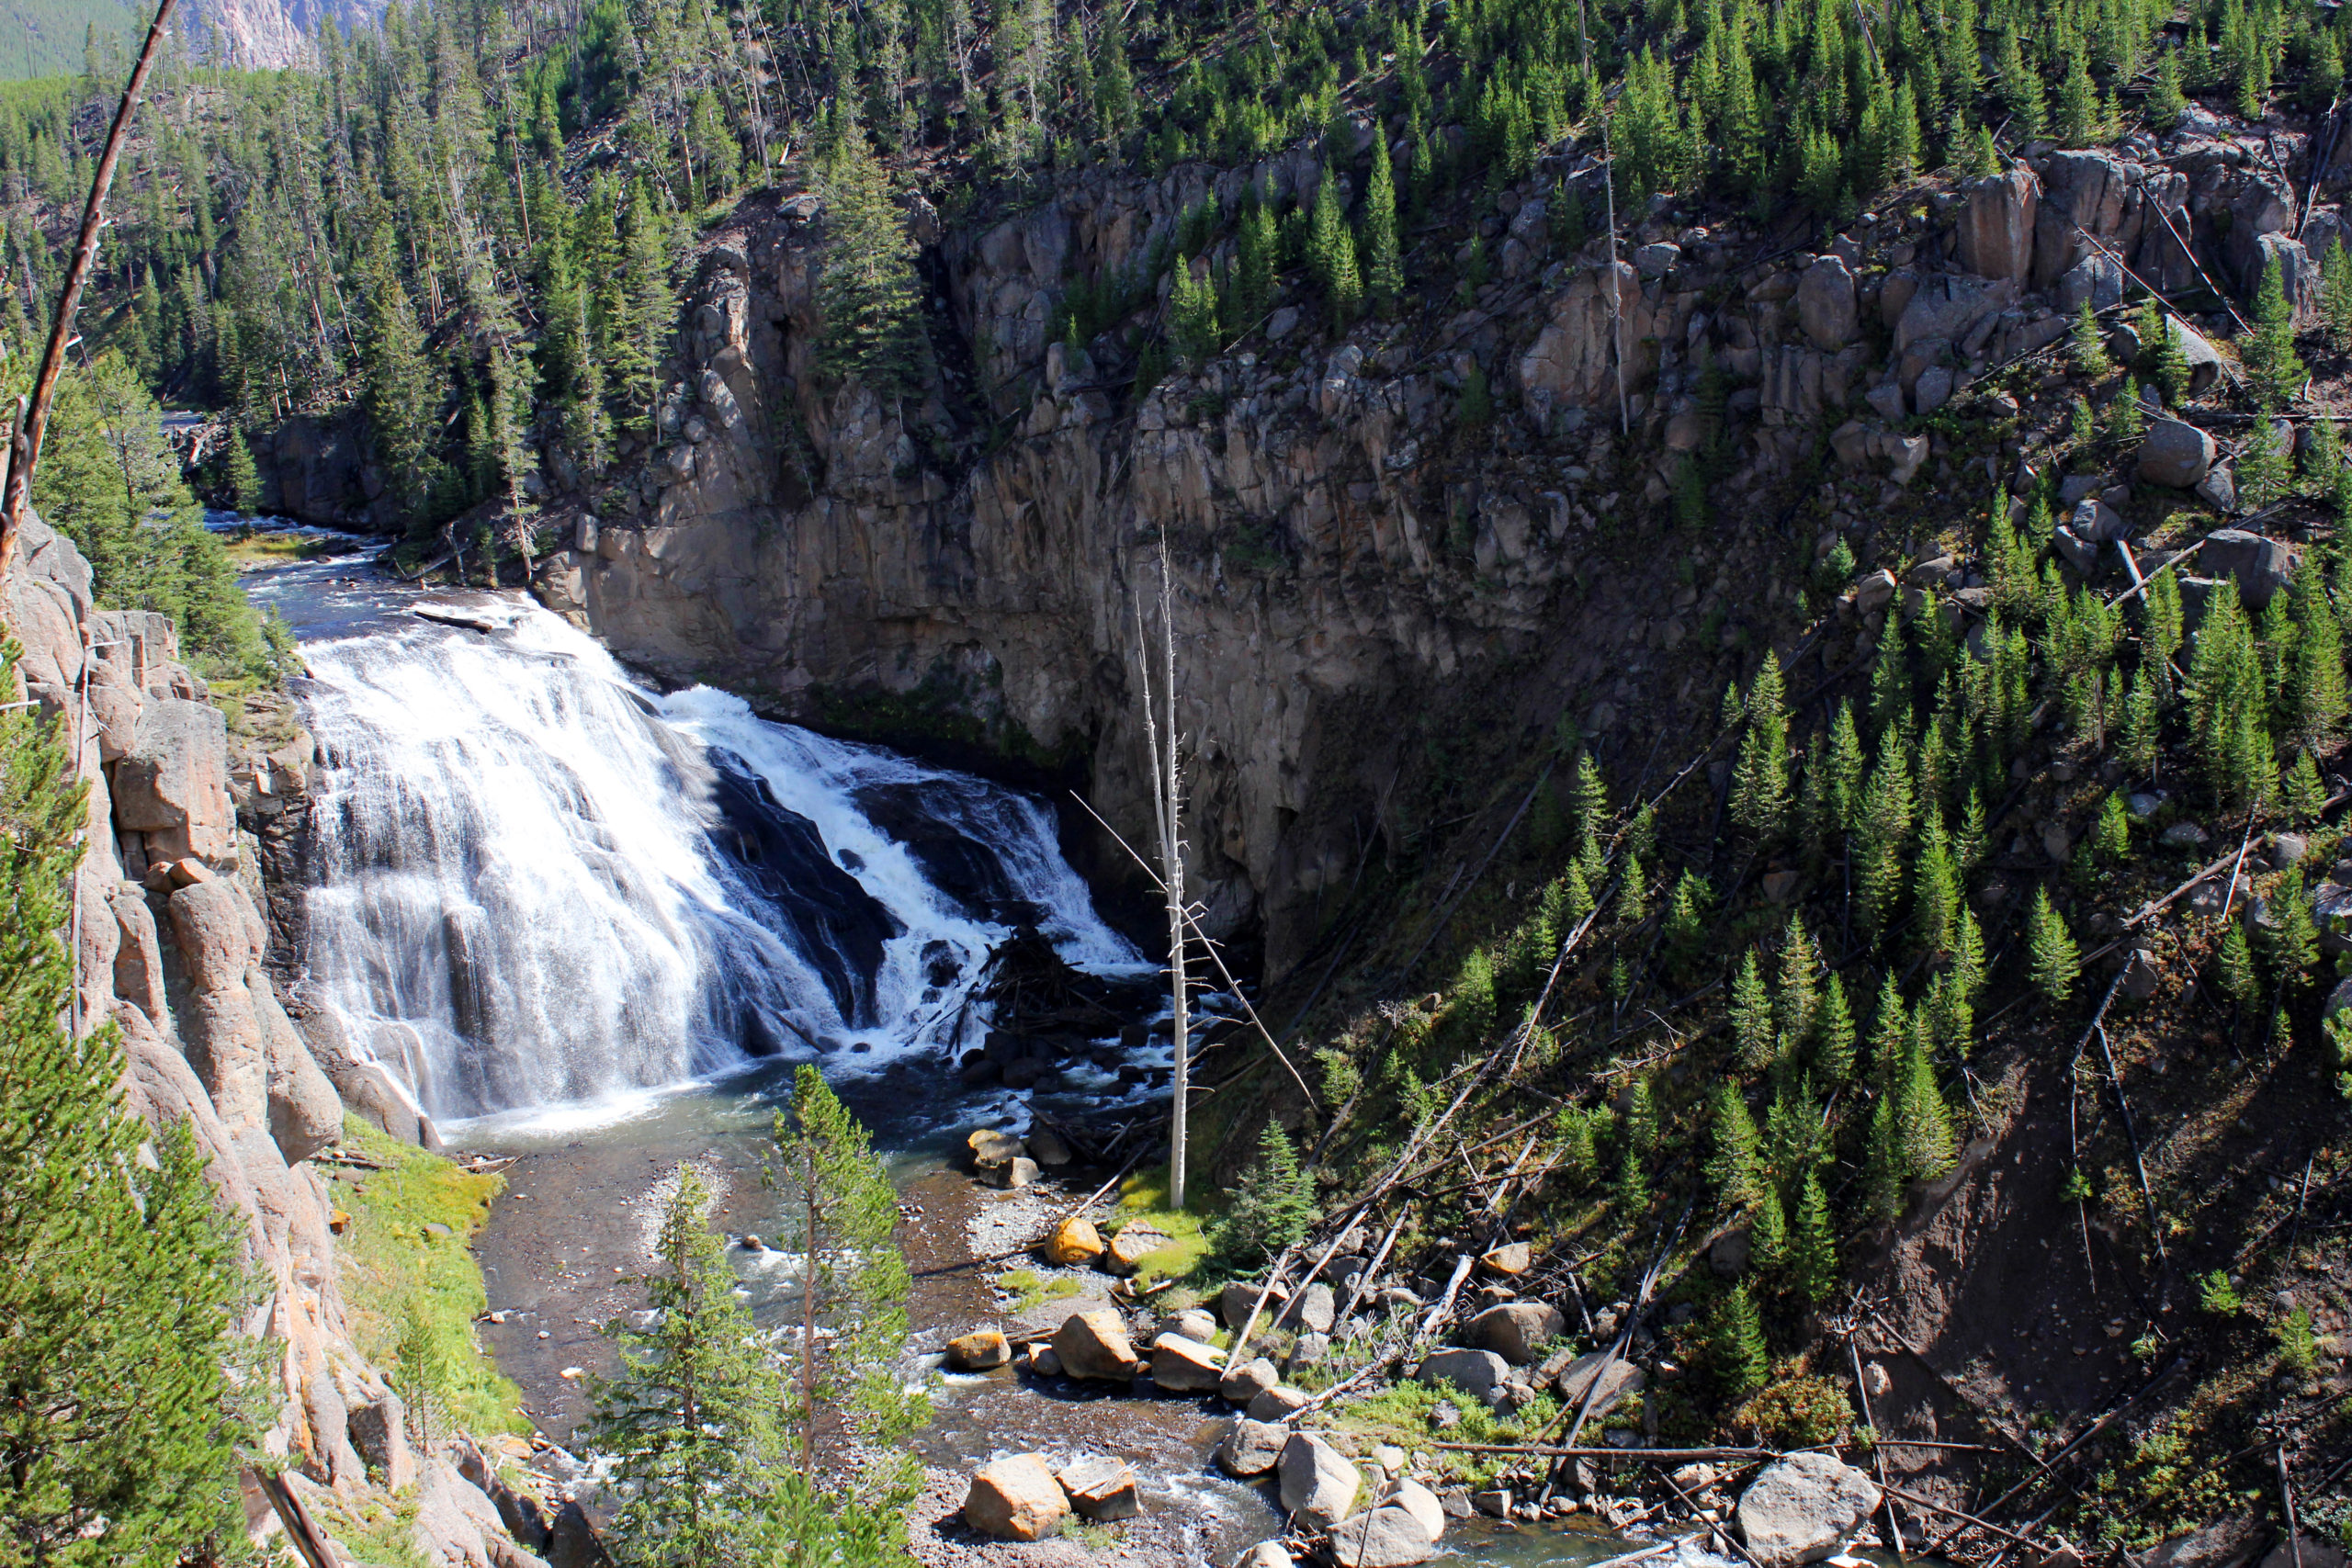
[536, 882]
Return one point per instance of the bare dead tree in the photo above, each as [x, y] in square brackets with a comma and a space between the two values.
[1168, 821]
[32, 414]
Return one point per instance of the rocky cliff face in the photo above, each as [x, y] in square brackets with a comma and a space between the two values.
[1353, 567]
[172, 949]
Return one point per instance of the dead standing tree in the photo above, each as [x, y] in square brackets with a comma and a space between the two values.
[1168, 821]
[32, 415]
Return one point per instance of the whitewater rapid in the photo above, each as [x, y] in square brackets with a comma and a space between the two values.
[534, 882]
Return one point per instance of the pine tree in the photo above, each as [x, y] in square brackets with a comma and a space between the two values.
[868, 295]
[2234, 965]
[1760, 794]
[1737, 1348]
[1273, 1203]
[1797, 999]
[1833, 1049]
[2270, 359]
[1884, 1176]
[1751, 1016]
[1631, 1193]
[123, 1352]
[1192, 329]
[1890, 1027]
[2336, 293]
[2125, 419]
[1734, 1171]
[2056, 962]
[398, 397]
[1883, 833]
[1841, 792]
[2137, 742]
[1686, 922]
[840, 1208]
[1936, 901]
[2306, 796]
[1633, 896]
[2165, 102]
[2086, 346]
[2078, 120]
[2315, 696]
[1767, 1232]
[243, 476]
[642, 307]
[2290, 942]
[1813, 1252]
[2163, 362]
[1331, 255]
[2112, 837]
[1588, 807]
[1384, 267]
[2227, 701]
[1922, 1119]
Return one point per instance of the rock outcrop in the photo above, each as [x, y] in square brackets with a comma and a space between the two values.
[173, 950]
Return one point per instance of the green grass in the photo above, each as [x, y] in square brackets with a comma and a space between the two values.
[261, 547]
[378, 1531]
[1027, 1289]
[391, 1259]
[1143, 1201]
[1400, 1415]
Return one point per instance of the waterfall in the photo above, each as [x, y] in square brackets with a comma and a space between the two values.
[534, 882]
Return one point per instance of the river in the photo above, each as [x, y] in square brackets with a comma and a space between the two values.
[592, 926]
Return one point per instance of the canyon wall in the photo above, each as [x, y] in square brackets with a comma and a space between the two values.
[1355, 566]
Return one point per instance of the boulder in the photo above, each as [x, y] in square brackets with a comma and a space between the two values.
[2204, 359]
[2094, 521]
[1045, 1361]
[1128, 1249]
[1245, 1383]
[1267, 1554]
[1315, 1309]
[1478, 1373]
[1513, 1329]
[990, 1147]
[1047, 1147]
[1094, 1345]
[1422, 1504]
[1099, 1487]
[1251, 1448]
[2261, 565]
[1826, 306]
[2218, 488]
[1075, 1242]
[1017, 1499]
[979, 1352]
[1621, 1379]
[2176, 453]
[1510, 1261]
[1874, 593]
[1012, 1175]
[1318, 1483]
[1384, 1537]
[1233, 1304]
[1282, 1400]
[1193, 1323]
[1802, 1507]
[1186, 1366]
[1995, 231]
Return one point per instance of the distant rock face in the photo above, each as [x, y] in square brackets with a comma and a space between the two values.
[271, 34]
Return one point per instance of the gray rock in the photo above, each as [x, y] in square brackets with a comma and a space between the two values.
[1826, 308]
[380, 1433]
[173, 785]
[1623, 1381]
[1493, 1501]
[1886, 400]
[1315, 1310]
[1514, 1329]
[1094, 1345]
[1995, 231]
[1193, 1323]
[1245, 1383]
[1282, 323]
[1802, 1507]
[1384, 1537]
[1310, 1351]
[1657, 260]
[1233, 1305]
[2141, 976]
[2098, 522]
[1186, 1366]
[1873, 593]
[2204, 359]
[2080, 554]
[1267, 1554]
[1276, 1402]
[2175, 453]
[2261, 565]
[1099, 1487]
[1478, 1373]
[2183, 836]
[2219, 489]
[2287, 848]
[1318, 1483]
[1932, 390]
[1251, 1448]
[1728, 1254]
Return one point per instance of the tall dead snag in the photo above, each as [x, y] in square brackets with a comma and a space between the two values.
[32, 416]
[1168, 821]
